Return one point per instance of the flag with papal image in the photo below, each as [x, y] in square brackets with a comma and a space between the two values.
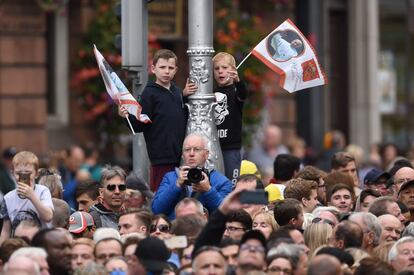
[117, 90]
[287, 52]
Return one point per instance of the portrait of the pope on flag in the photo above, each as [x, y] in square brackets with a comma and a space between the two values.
[287, 52]
[284, 45]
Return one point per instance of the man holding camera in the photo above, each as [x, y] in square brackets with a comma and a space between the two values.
[191, 180]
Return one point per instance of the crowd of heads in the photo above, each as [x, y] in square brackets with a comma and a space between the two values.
[83, 218]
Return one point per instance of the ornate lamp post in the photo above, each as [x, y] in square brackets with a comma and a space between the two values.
[200, 51]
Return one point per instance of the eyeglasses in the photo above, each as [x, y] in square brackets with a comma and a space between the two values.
[277, 269]
[252, 248]
[164, 228]
[234, 228]
[112, 187]
[195, 149]
[319, 220]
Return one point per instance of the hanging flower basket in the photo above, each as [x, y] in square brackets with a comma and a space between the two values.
[51, 5]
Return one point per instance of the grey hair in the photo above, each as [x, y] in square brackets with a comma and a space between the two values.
[35, 264]
[52, 182]
[29, 252]
[199, 135]
[91, 268]
[335, 211]
[61, 213]
[409, 230]
[292, 252]
[371, 222]
[109, 172]
[394, 249]
[187, 201]
[105, 233]
[379, 206]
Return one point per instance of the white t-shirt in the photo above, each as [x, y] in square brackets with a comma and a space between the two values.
[16, 209]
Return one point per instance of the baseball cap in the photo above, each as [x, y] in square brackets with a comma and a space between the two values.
[273, 192]
[79, 221]
[255, 235]
[153, 254]
[134, 182]
[405, 185]
[374, 174]
[248, 167]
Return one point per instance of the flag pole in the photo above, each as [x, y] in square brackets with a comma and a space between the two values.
[127, 118]
[243, 60]
[130, 126]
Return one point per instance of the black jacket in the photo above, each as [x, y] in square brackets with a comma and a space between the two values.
[165, 135]
[229, 113]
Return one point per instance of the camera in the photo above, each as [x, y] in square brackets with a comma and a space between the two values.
[195, 175]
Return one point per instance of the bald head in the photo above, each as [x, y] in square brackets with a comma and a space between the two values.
[75, 158]
[272, 136]
[391, 228]
[324, 264]
[402, 175]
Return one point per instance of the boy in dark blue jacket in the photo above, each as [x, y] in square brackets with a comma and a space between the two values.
[163, 102]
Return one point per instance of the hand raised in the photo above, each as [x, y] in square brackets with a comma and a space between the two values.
[190, 88]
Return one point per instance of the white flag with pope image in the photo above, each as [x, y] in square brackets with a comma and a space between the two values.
[287, 52]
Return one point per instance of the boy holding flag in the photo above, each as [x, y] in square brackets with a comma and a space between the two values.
[163, 102]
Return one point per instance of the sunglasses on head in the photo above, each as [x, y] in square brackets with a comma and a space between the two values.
[112, 187]
[164, 228]
[320, 220]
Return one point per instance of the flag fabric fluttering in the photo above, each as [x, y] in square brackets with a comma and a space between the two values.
[117, 90]
[287, 52]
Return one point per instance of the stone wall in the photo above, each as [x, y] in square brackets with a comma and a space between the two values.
[23, 75]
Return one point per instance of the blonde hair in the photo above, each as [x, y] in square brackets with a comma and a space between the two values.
[84, 241]
[358, 254]
[317, 235]
[382, 250]
[269, 218]
[223, 55]
[26, 158]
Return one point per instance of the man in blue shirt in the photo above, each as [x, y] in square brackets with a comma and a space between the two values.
[210, 191]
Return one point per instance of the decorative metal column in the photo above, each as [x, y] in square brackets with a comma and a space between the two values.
[200, 52]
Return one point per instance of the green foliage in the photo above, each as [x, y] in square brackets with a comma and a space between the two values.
[89, 89]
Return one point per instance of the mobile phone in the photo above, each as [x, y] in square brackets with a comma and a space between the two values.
[254, 197]
[24, 177]
[176, 242]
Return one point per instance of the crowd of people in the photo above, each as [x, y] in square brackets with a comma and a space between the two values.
[271, 213]
[99, 220]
